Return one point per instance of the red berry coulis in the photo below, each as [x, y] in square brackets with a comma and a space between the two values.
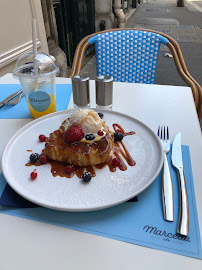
[115, 162]
[43, 159]
[69, 169]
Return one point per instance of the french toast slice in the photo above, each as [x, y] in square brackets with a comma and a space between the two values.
[82, 153]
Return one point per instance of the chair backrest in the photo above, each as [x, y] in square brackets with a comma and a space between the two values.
[128, 55]
[171, 44]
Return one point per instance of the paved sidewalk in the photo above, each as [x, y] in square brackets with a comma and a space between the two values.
[184, 24]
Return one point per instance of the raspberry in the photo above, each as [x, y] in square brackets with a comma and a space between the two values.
[42, 138]
[115, 162]
[43, 159]
[69, 169]
[73, 134]
[100, 133]
[33, 175]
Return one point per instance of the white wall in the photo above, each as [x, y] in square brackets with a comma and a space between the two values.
[16, 31]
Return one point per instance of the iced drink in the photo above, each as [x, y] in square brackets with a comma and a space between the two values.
[39, 91]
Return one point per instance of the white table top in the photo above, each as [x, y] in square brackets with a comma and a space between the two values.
[27, 244]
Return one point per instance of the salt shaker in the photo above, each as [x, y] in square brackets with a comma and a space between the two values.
[81, 96]
[104, 92]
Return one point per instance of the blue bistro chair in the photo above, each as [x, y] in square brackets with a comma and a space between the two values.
[128, 56]
[131, 55]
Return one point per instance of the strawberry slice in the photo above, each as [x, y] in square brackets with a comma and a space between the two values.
[73, 134]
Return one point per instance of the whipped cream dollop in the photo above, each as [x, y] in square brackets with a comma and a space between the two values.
[88, 120]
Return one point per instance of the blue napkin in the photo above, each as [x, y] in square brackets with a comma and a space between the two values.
[139, 223]
[21, 111]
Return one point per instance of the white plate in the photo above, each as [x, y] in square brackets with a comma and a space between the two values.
[71, 194]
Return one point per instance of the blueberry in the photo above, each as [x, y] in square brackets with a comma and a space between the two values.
[101, 115]
[89, 137]
[86, 177]
[34, 157]
[118, 136]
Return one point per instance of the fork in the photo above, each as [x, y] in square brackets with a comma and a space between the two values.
[15, 100]
[167, 186]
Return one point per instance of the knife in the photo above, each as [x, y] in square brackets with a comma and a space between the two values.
[3, 102]
[183, 219]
